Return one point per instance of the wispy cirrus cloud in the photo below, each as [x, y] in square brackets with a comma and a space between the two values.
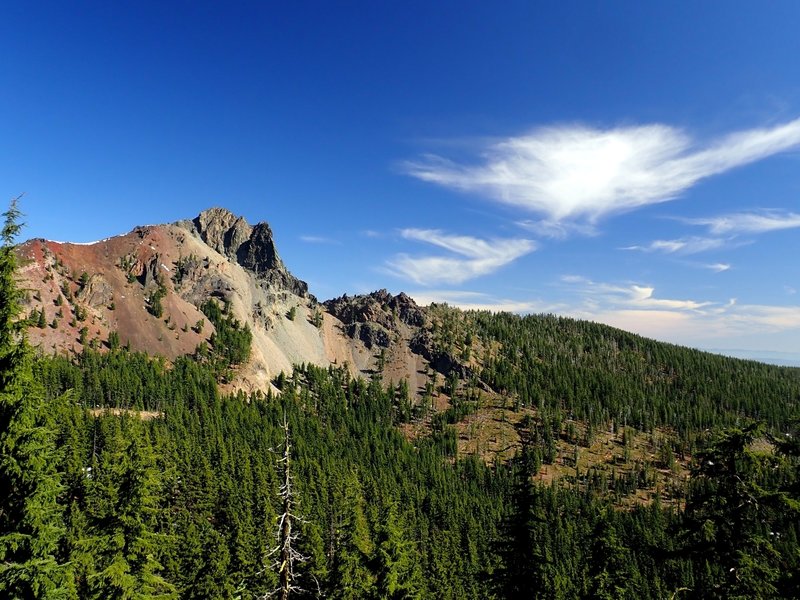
[724, 230]
[686, 245]
[557, 230]
[577, 173]
[748, 222]
[470, 257]
[716, 267]
[317, 239]
[631, 295]
[636, 308]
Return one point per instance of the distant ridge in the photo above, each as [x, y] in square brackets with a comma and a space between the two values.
[783, 359]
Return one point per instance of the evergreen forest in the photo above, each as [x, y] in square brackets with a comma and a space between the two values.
[124, 477]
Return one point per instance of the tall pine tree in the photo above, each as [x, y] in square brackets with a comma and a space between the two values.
[731, 517]
[122, 505]
[31, 518]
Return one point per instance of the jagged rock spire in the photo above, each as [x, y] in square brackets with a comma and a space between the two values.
[251, 246]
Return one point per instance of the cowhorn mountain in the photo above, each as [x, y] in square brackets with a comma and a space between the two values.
[148, 286]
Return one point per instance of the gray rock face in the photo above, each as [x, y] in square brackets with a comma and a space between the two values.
[258, 252]
[97, 292]
[376, 317]
[422, 343]
[378, 307]
[369, 333]
[222, 230]
[252, 247]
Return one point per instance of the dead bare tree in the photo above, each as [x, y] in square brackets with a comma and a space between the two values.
[285, 553]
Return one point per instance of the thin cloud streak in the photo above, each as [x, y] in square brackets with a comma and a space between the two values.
[632, 295]
[475, 257]
[317, 239]
[687, 245]
[752, 222]
[717, 267]
[555, 229]
[575, 173]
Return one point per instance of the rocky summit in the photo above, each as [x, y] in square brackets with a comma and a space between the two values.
[145, 289]
[252, 247]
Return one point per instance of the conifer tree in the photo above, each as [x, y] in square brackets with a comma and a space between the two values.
[352, 548]
[608, 566]
[729, 517]
[519, 568]
[31, 518]
[398, 570]
[121, 505]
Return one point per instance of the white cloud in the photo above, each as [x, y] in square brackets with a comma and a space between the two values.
[468, 300]
[642, 296]
[731, 225]
[752, 222]
[317, 239]
[475, 257]
[693, 322]
[575, 279]
[687, 245]
[571, 173]
[716, 267]
[631, 295]
[774, 318]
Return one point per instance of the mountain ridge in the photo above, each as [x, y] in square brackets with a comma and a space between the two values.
[484, 384]
[147, 287]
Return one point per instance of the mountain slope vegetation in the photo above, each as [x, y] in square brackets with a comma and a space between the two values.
[131, 475]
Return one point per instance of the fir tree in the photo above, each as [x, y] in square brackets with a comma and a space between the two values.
[519, 570]
[122, 503]
[731, 518]
[351, 543]
[398, 570]
[31, 518]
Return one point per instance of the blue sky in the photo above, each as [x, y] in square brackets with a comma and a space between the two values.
[634, 163]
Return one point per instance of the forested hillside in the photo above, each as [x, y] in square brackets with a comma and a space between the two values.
[185, 503]
[127, 476]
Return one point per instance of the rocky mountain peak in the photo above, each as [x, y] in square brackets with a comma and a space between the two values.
[251, 246]
[222, 230]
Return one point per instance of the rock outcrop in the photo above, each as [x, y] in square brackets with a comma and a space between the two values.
[380, 307]
[97, 291]
[252, 247]
[377, 318]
